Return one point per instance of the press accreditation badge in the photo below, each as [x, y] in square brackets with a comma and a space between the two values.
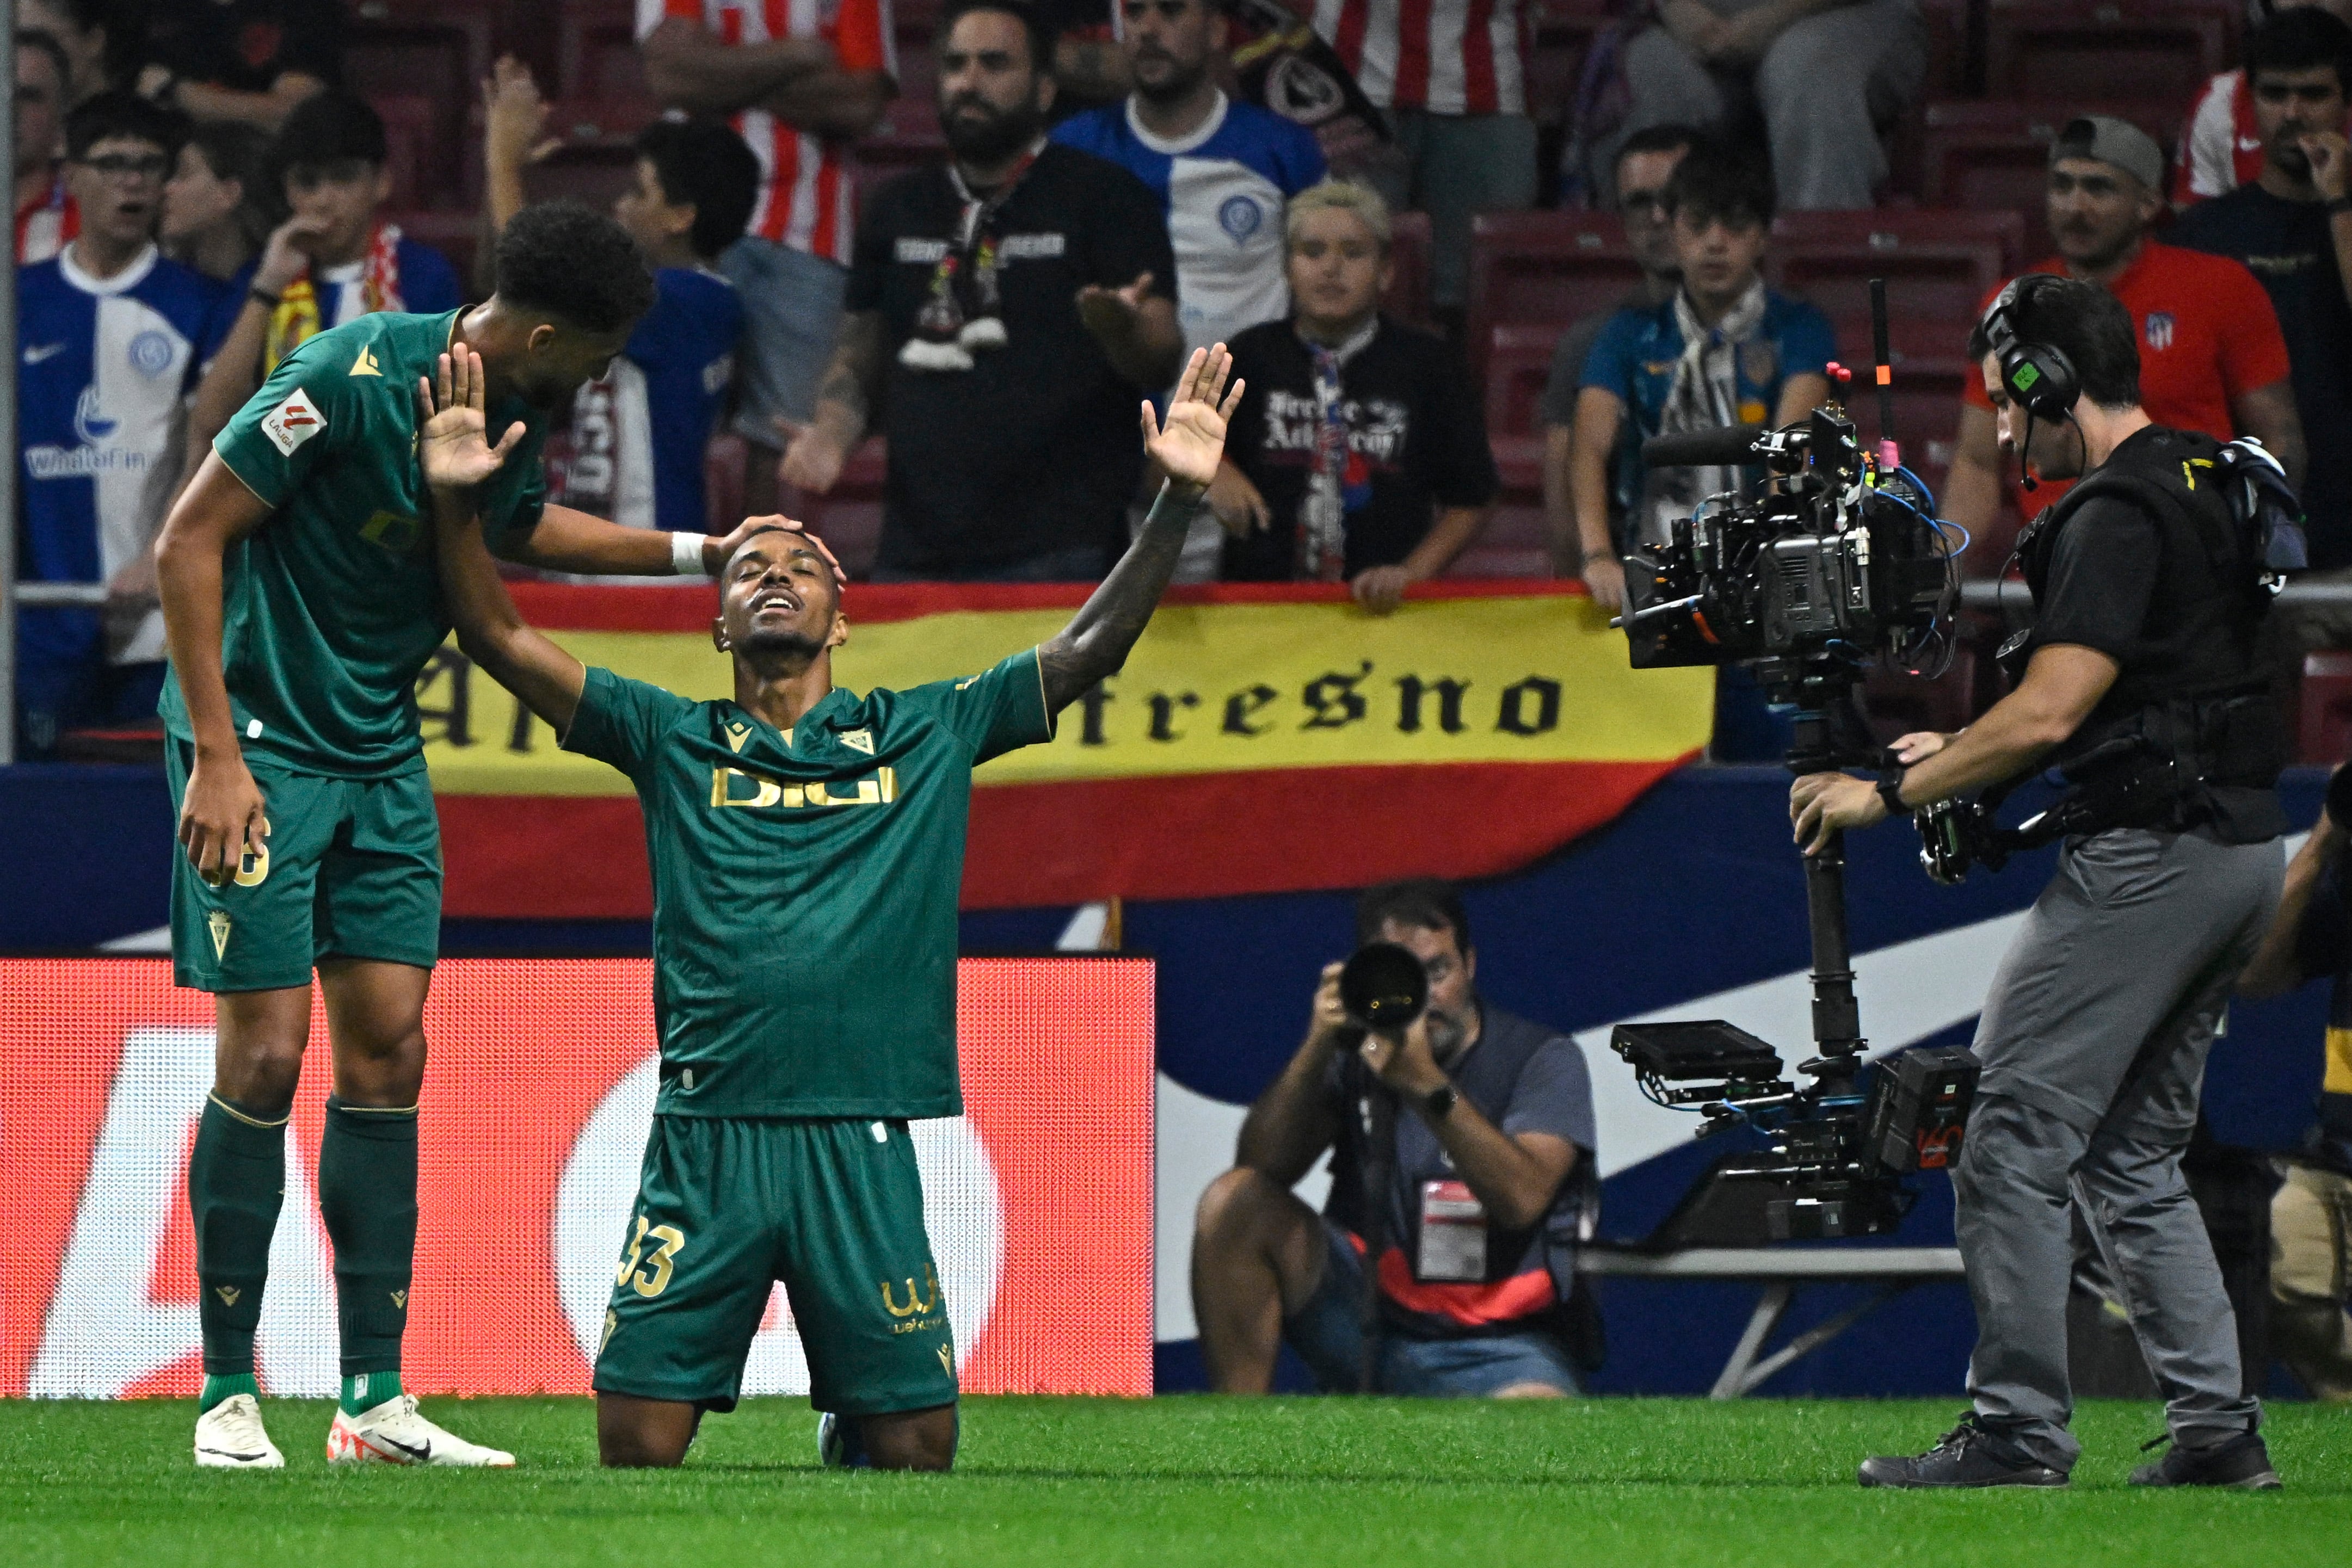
[1452, 1233]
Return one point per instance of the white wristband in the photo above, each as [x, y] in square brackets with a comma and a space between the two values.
[686, 555]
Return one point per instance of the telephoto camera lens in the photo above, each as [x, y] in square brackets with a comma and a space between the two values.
[1383, 988]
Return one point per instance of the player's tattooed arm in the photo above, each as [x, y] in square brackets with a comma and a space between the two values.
[814, 452]
[1095, 644]
[490, 631]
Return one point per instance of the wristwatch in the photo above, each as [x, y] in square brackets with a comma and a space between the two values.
[1890, 790]
[1439, 1103]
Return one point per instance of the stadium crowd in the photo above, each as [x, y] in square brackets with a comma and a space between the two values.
[903, 255]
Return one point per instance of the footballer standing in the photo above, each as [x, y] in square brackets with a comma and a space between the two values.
[807, 849]
[300, 603]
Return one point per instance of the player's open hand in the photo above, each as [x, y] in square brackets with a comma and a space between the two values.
[718, 550]
[1189, 445]
[452, 436]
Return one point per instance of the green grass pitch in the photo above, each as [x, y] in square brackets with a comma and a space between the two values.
[1293, 1482]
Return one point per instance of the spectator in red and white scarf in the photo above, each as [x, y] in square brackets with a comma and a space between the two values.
[336, 259]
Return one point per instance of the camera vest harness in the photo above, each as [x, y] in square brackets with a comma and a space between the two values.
[2159, 761]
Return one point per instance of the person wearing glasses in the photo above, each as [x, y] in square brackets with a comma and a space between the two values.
[1644, 165]
[111, 334]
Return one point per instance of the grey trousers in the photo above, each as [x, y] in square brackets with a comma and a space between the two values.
[1825, 86]
[2093, 1043]
[1453, 167]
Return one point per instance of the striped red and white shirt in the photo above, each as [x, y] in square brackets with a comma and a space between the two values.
[1448, 57]
[806, 196]
[45, 224]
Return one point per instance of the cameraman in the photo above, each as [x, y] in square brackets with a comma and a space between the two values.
[2094, 1035]
[1490, 1177]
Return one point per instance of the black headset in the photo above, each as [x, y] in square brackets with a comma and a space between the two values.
[2038, 377]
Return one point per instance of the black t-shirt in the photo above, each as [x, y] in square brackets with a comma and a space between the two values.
[244, 44]
[1416, 435]
[2290, 246]
[2144, 590]
[2162, 613]
[1035, 448]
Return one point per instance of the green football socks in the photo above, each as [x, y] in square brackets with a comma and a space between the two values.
[237, 1180]
[364, 1391]
[367, 1195]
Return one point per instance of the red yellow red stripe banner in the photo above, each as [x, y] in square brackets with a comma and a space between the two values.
[1261, 738]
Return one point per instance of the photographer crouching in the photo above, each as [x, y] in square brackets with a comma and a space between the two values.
[1490, 1174]
[2140, 681]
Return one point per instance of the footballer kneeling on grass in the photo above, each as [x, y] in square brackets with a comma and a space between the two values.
[807, 848]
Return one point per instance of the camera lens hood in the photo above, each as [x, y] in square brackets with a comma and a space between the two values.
[1383, 987]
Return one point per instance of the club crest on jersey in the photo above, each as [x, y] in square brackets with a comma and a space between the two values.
[365, 364]
[1240, 217]
[292, 423]
[858, 740]
[151, 353]
[217, 922]
[2160, 328]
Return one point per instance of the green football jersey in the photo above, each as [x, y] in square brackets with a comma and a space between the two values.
[332, 606]
[805, 885]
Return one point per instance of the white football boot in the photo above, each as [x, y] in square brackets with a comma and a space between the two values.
[229, 1437]
[395, 1433]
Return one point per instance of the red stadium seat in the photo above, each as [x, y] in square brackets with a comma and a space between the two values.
[722, 482]
[1548, 267]
[596, 49]
[2149, 48]
[1518, 361]
[2324, 734]
[1407, 298]
[456, 235]
[1938, 265]
[435, 51]
[413, 156]
[849, 516]
[1993, 157]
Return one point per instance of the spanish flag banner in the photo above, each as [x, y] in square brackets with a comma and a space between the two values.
[1262, 739]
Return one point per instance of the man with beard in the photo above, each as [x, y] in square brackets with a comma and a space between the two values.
[2211, 358]
[2292, 227]
[1490, 1178]
[1223, 172]
[1002, 310]
[299, 605]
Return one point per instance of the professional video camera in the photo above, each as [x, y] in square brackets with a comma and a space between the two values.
[1842, 561]
[1804, 586]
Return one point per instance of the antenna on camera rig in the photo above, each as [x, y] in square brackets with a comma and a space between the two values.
[1890, 455]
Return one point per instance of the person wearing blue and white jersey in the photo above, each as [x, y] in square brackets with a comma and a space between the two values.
[1223, 170]
[633, 447]
[110, 335]
[1224, 173]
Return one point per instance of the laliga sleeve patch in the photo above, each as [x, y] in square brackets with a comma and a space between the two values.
[293, 421]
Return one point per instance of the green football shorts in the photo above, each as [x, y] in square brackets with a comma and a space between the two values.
[728, 1206]
[352, 869]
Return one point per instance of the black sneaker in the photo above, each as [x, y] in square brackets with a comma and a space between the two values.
[1969, 1455]
[2242, 1463]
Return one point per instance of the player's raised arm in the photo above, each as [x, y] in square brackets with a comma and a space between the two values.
[1096, 641]
[454, 446]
